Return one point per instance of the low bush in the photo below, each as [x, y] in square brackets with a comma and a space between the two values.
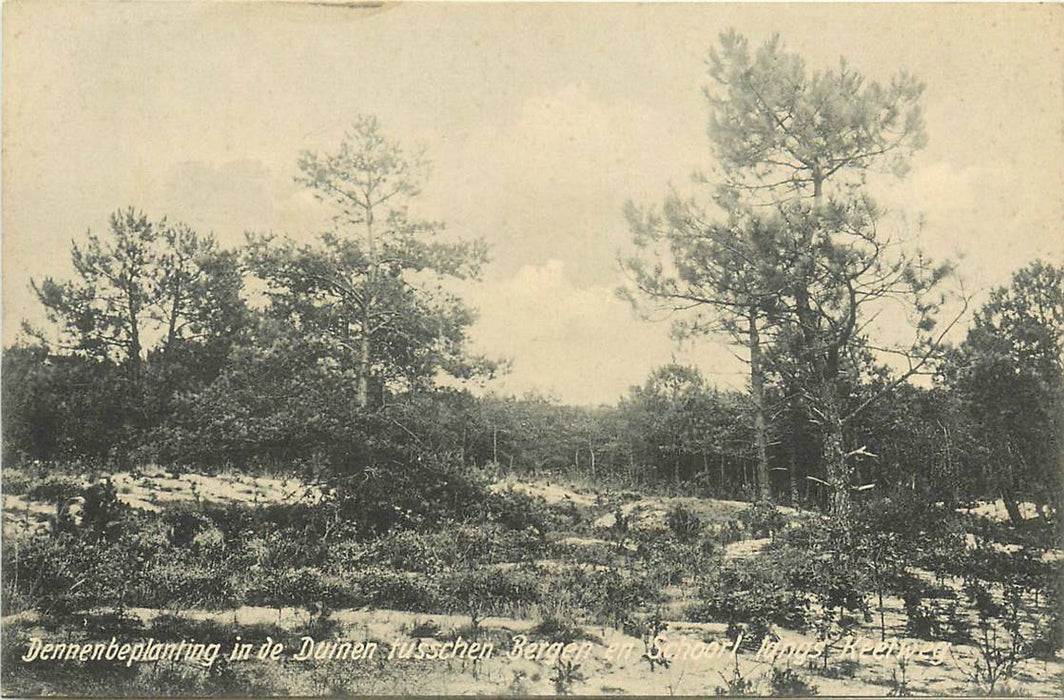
[407, 550]
[410, 495]
[453, 546]
[384, 588]
[756, 592]
[15, 482]
[564, 674]
[729, 532]
[517, 510]
[568, 516]
[670, 559]
[930, 613]
[102, 512]
[608, 596]
[63, 574]
[683, 523]
[181, 581]
[786, 682]
[421, 630]
[485, 545]
[555, 628]
[56, 488]
[490, 591]
[591, 553]
[762, 519]
[183, 521]
[620, 593]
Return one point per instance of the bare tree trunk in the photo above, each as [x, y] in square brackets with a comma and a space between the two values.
[134, 333]
[1011, 505]
[591, 449]
[367, 307]
[171, 337]
[792, 472]
[175, 312]
[951, 470]
[835, 462]
[705, 469]
[363, 362]
[829, 414]
[1008, 496]
[757, 391]
[882, 619]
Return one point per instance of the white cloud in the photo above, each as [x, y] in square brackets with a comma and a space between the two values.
[995, 216]
[579, 342]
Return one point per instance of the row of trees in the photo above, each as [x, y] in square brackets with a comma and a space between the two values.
[162, 333]
[166, 348]
[987, 427]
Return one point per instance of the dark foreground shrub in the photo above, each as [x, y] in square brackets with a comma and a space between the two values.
[669, 559]
[684, 524]
[517, 510]
[554, 628]
[762, 520]
[787, 682]
[394, 590]
[753, 592]
[481, 592]
[15, 482]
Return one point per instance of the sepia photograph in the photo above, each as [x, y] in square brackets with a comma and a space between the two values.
[532, 349]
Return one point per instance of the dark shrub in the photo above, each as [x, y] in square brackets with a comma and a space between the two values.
[384, 588]
[517, 510]
[56, 488]
[490, 591]
[683, 523]
[755, 591]
[408, 550]
[179, 579]
[619, 594]
[184, 520]
[454, 546]
[291, 587]
[492, 544]
[414, 495]
[670, 559]
[422, 630]
[762, 520]
[15, 482]
[554, 628]
[787, 682]
[567, 515]
[102, 511]
[60, 575]
[593, 553]
[606, 595]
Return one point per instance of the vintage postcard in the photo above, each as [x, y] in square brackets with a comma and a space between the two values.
[532, 349]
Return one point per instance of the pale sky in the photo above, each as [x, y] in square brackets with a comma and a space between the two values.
[540, 121]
